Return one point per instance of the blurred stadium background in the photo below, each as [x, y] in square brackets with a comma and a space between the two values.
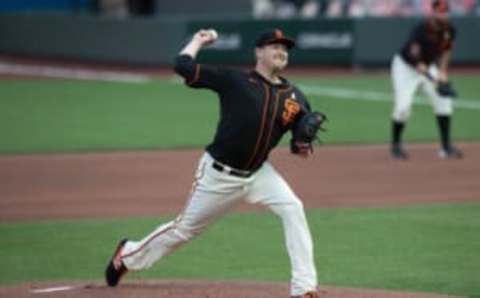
[132, 101]
[136, 41]
[351, 33]
[248, 8]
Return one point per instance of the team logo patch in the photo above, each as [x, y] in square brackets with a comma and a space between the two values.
[291, 109]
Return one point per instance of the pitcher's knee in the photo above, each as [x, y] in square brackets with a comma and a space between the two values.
[187, 233]
[444, 109]
[295, 206]
[401, 114]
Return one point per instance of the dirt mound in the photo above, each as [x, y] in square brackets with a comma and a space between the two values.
[119, 184]
[105, 185]
[192, 289]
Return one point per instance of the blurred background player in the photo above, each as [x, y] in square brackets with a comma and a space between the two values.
[423, 62]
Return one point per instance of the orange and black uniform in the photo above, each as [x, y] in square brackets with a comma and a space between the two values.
[427, 45]
[254, 113]
[433, 39]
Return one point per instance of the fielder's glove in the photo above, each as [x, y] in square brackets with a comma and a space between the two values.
[445, 89]
[304, 132]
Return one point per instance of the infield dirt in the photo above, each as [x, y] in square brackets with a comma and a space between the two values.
[120, 184]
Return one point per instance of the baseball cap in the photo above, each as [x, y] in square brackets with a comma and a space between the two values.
[274, 36]
[440, 5]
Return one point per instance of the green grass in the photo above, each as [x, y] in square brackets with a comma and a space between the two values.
[45, 116]
[354, 122]
[429, 248]
[63, 115]
[418, 248]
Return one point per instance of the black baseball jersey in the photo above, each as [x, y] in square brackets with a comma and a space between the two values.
[428, 41]
[254, 113]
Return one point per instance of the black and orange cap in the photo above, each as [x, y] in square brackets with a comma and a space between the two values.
[274, 36]
[440, 5]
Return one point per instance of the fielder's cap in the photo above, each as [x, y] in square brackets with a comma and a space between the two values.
[440, 5]
[274, 36]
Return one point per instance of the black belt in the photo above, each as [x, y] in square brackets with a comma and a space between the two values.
[231, 171]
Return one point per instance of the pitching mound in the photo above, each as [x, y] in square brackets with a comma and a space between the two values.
[192, 289]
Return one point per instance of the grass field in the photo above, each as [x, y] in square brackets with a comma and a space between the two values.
[53, 115]
[423, 248]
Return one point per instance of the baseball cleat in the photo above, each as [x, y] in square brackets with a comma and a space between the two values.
[398, 153]
[115, 268]
[308, 295]
[450, 153]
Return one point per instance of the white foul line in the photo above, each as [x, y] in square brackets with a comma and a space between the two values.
[378, 96]
[53, 289]
[125, 77]
[72, 73]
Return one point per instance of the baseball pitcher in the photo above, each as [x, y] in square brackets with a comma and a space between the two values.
[423, 62]
[257, 108]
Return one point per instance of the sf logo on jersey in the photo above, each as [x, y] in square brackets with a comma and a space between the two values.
[291, 109]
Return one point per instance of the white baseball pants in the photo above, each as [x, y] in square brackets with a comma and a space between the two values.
[213, 194]
[406, 81]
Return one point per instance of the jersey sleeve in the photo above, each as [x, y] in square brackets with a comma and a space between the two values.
[304, 108]
[201, 75]
[415, 50]
[448, 45]
[305, 105]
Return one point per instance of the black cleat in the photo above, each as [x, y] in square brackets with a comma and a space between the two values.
[450, 153]
[115, 268]
[398, 153]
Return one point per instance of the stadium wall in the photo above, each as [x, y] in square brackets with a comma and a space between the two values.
[155, 41]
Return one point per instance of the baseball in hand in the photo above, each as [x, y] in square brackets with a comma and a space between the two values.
[213, 33]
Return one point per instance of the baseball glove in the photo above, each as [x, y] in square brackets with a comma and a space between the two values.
[445, 89]
[304, 132]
